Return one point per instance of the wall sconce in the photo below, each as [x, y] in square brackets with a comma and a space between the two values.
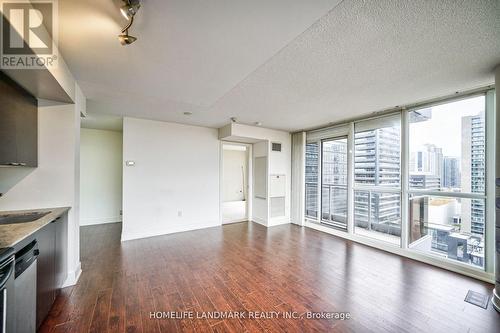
[128, 11]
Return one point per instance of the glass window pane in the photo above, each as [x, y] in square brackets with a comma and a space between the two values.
[334, 162]
[311, 175]
[378, 215]
[334, 182]
[377, 158]
[452, 228]
[447, 147]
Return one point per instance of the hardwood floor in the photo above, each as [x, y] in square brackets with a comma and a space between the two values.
[246, 267]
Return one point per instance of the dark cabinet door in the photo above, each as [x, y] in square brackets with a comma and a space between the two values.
[8, 144]
[27, 134]
[18, 125]
[46, 283]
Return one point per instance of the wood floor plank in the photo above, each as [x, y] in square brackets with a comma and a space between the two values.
[133, 320]
[147, 306]
[101, 312]
[116, 320]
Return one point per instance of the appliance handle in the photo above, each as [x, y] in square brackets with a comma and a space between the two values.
[9, 273]
[4, 307]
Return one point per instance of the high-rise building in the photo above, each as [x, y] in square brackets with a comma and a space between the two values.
[473, 172]
[451, 172]
[377, 162]
[427, 159]
[334, 162]
[424, 180]
[334, 182]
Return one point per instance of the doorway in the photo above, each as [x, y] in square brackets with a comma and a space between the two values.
[235, 180]
[101, 169]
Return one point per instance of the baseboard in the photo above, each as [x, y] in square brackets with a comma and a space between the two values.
[154, 233]
[299, 222]
[278, 221]
[235, 221]
[73, 276]
[100, 220]
[259, 221]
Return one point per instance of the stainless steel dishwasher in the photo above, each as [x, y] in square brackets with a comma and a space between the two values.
[25, 288]
[7, 320]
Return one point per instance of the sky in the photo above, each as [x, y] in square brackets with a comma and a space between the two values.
[444, 129]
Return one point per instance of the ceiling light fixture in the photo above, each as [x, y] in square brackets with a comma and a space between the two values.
[128, 11]
[130, 8]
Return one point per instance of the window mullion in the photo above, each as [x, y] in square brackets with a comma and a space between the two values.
[405, 176]
[320, 182]
[350, 180]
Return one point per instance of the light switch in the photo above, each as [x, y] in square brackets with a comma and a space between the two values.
[130, 163]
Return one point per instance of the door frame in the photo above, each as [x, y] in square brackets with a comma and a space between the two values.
[249, 185]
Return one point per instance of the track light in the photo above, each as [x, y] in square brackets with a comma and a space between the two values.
[128, 11]
[130, 8]
[126, 39]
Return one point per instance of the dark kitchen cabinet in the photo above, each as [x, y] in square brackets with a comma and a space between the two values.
[18, 125]
[45, 275]
[61, 252]
[52, 265]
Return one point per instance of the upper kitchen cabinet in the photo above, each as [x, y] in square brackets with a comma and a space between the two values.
[18, 125]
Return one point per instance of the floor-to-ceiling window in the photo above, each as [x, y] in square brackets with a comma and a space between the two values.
[377, 179]
[415, 180]
[447, 170]
[334, 182]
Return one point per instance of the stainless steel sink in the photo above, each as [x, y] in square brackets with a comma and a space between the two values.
[21, 218]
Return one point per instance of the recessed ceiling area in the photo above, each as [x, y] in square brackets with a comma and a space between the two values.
[290, 64]
[101, 121]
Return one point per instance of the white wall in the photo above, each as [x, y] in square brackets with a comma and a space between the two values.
[280, 163]
[174, 185]
[55, 183]
[101, 176]
[260, 206]
[234, 175]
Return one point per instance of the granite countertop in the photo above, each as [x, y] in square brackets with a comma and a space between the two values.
[11, 234]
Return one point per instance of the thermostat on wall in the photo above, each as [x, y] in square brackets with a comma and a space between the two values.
[130, 163]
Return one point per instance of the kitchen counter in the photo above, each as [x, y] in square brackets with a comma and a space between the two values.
[11, 234]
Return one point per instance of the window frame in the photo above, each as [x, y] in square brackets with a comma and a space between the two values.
[341, 131]
[487, 272]
[447, 194]
[360, 187]
[333, 224]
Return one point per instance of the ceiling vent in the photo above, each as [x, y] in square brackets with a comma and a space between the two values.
[276, 147]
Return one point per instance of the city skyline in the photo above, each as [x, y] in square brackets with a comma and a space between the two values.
[446, 125]
[446, 225]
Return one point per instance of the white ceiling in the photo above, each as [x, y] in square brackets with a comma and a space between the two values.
[290, 64]
[102, 121]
